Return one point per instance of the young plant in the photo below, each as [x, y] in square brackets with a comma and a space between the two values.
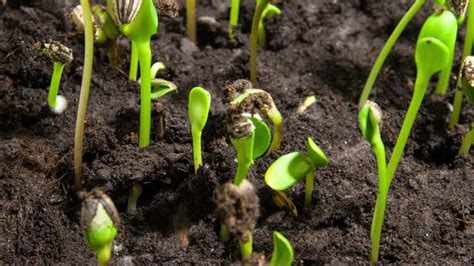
[269, 10]
[238, 208]
[191, 19]
[138, 21]
[198, 110]
[100, 221]
[467, 49]
[84, 95]
[282, 251]
[61, 56]
[467, 84]
[254, 35]
[291, 168]
[370, 119]
[234, 18]
[135, 193]
[456, 7]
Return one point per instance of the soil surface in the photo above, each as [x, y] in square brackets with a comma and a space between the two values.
[323, 48]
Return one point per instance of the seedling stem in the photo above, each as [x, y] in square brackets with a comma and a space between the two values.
[133, 62]
[309, 186]
[54, 86]
[254, 39]
[234, 18]
[467, 142]
[144, 55]
[191, 19]
[246, 248]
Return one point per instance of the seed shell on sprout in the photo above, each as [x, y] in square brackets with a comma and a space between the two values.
[468, 70]
[126, 10]
[58, 52]
[458, 7]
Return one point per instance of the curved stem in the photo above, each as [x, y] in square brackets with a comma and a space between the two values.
[234, 18]
[197, 155]
[144, 58]
[133, 61]
[191, 19]
[421, 85]
[54, 86]
[254, 39]
[246, 248]
[84, 95]
[444, 75]
[308, 191]
[243, 167]
[382, 194]
[467, 49]
[467, 142]
[386, 50]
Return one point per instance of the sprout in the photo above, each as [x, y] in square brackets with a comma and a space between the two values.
[262, 7]
[99, 220]
[135, 193]
[291, 168]
[308, 101]
[269, 10]
[234, 18]
[84, 95]
[282, 251]
[370, 118]
[238, 208]
[138, 21]
[467, 83]
[467, 142]
[191, 19]
[199, 104]
[61, 56]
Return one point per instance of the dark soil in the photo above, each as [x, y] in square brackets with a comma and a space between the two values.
[325, 48]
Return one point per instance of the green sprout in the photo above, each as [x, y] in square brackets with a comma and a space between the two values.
[308, 101]
[60, 55]
[455, 7]
[135, 193]
[282, 251]
[291, 168]
[138, 21]
[269, 10]
[238, 208]
[256, 33]
[467, 83]
[370, 118]
[467, 49]
[84, 95]
[99, 220]
[467, 142]
[191, 19]
[234, 18]
[199, 104]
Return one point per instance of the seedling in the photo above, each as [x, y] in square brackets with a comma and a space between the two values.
[191, 19]
[257, 24]
[282, 251]
[84, 95]
[234, 18]
[455, 7]
[291, 168]
[61, 56]
[467, 49]
[99, 220]
[199, 104]
[308, 101]
[135, 193]
[138, 21]
[433, 53]
[238, 208]
[467, 83]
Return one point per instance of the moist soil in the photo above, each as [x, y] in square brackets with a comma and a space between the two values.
[322, 48]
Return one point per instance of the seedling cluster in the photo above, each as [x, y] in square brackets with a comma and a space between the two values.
[253, 122]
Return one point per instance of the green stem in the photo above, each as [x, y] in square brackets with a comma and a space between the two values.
[308, 191]
[197, 149]
[224, 233]
[144, 57]
[54, 86]
[103, 255]
[234, 18]
[382, 194]
[467, 142]
[243, 167]
[386, 50]
[254, 39]
[444, 75]
[84, 95]
[467, 49]
[133, 61]
[246, 248]
[421, 85]
[191, 19]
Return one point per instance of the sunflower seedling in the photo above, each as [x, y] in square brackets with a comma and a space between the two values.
[238, 208]
[60, 55]
[291, 168]
[99, 220]
[467, 83]
[455, 8]
[135, 193]
[198, 110]
[282, 251]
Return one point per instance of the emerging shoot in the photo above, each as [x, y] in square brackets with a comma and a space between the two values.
[238, 208]
[99, 220]
[291, 168]
[191, 19]
[269, 10]
[282, 251]
[199, 104]
[135, 193]
[60, 55]
[467, 83]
